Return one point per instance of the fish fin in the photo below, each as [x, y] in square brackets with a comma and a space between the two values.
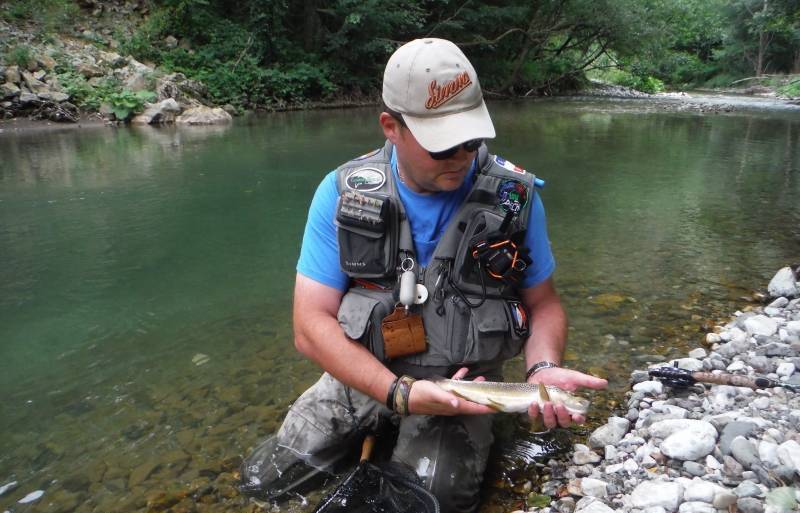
[494, 404]
[436, 378]
[537, 426]
[543, 394]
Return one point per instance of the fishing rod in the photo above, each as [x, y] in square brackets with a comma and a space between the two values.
[684, 378]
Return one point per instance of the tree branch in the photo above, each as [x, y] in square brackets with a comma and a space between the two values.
[431, 31]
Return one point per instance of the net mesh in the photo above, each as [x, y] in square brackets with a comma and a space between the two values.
[386, 488]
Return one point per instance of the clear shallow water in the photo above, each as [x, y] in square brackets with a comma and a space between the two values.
[124, 253]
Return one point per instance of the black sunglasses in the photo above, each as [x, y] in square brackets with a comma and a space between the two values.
[469, 146]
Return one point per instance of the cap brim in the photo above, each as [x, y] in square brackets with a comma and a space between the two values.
[438, 133]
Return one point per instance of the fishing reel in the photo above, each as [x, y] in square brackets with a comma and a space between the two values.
[674, 376]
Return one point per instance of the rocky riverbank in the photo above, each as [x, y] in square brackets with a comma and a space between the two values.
[80, 76]
[706, 448]
[82, 73]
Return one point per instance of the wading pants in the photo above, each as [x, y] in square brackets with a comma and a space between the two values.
[448, 453]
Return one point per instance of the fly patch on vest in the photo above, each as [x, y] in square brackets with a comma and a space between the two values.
[367, 234]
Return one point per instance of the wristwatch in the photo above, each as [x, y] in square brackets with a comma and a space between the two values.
[536, 367]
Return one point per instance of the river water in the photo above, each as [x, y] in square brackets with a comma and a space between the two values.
[146, 274]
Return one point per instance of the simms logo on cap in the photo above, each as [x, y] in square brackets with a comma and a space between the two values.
[439, 95]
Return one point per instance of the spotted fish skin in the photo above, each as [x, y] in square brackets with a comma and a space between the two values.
[513, 397]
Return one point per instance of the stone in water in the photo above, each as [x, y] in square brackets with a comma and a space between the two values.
[33, 496]
[200, 359]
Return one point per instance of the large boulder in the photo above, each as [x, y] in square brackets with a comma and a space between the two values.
[53, 96]
[137, 81]
[185, 91]
[158, 113]
[685, 439]
[650, 494]
[47, 62]
[89, 70]
[204, 116]
[111, 59]
[609, 434]
[35, 85]
[13, 75]
[9, 90]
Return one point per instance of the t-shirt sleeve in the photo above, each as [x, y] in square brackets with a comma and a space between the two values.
[319, 254]
[538, 243]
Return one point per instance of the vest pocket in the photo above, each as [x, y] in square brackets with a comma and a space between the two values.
[360, 315]
[483, 334]
[367, 232]
[457, 319]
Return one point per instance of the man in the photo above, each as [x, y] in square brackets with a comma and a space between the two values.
[425, 244]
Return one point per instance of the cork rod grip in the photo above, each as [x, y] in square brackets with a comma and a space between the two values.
[725, 379]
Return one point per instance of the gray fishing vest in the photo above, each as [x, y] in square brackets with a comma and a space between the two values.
[467, 320]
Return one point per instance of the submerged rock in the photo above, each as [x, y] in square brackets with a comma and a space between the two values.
[31, 497]
[8, 487]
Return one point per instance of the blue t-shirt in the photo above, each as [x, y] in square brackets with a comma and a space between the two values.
[428, 215]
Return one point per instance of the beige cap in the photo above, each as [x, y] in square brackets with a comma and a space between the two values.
[433, 85]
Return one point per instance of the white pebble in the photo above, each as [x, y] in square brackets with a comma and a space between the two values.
[698, 353]
[31, 497]
[8, 486]
[785, 369]
[649, 387]
[735, 366]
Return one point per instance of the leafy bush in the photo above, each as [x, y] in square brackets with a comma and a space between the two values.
[19, 55]
[146, 42]
[682, 69]
[125, 103]
[82, 93]
[648, 84]
[18, 10]
[76, 86]
[644, 83]
[791, 89]
[720, 81]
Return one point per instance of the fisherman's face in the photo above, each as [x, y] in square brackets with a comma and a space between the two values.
[418, 170]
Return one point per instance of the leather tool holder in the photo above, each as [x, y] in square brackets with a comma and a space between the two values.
[403, 333]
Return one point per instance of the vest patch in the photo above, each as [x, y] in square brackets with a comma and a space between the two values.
[509, 165]
[365, 179]
[512, 195]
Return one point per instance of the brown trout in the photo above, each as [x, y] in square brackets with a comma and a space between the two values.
[513, 397]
